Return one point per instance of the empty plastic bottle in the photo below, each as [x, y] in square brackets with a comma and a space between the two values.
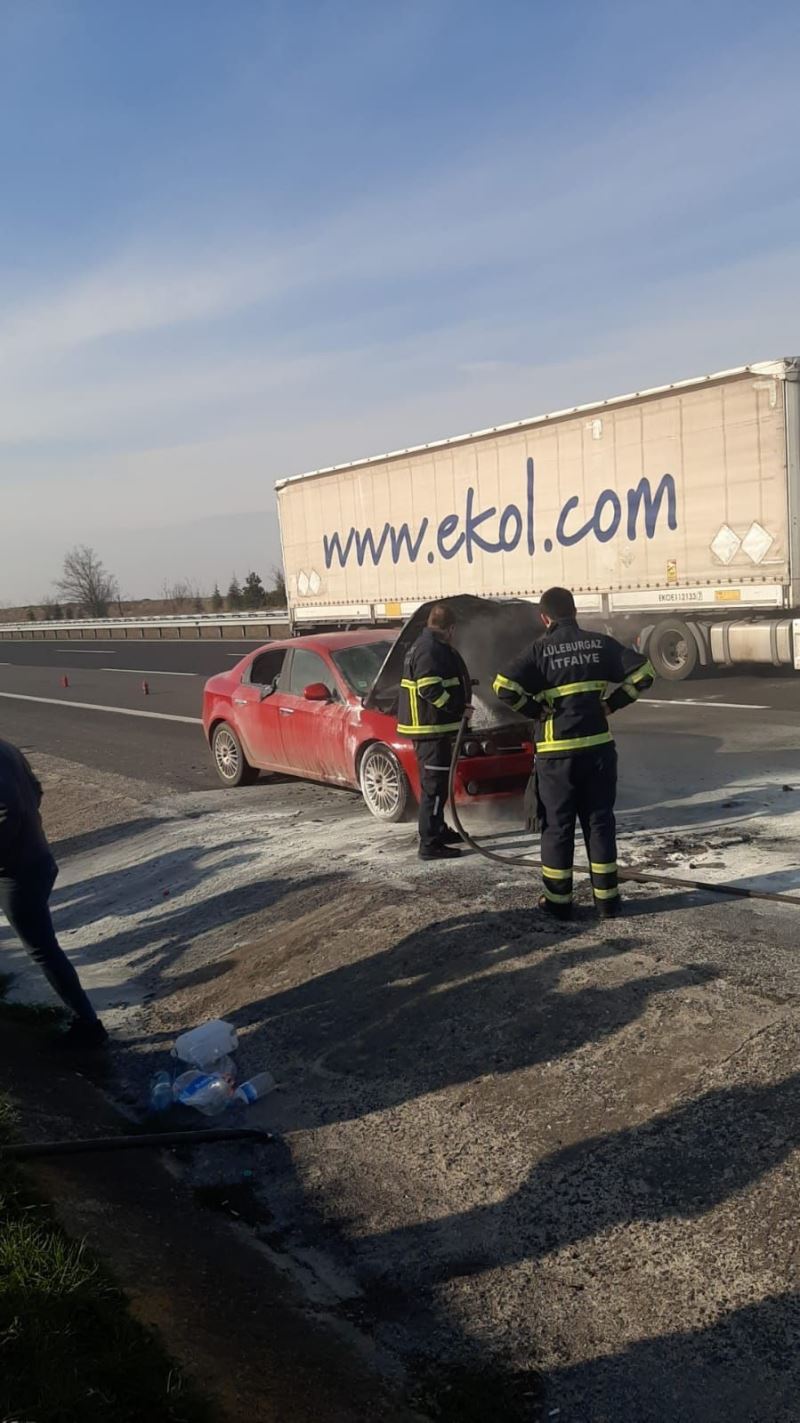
[208, 1092]
[256, 1087]
[161, 1092]
[203, 1046]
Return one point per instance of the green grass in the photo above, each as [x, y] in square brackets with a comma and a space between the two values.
[33, 1015]
[70, 1350]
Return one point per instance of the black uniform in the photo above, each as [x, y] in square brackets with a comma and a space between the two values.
[563, 679]
[434, 691]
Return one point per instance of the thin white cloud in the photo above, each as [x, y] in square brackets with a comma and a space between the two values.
[533, 199]
[126, 297]
[546, 223]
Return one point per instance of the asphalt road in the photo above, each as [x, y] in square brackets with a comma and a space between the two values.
[697, 734]
[202, 656]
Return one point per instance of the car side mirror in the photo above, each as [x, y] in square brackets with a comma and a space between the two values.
[317, 692]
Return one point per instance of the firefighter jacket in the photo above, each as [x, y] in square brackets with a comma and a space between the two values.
[434, 690]
[564, 678]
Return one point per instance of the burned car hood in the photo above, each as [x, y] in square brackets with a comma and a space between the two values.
[489, 633]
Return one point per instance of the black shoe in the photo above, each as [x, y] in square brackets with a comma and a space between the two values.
[608, 908]
[450, 837]
[83, 1037]
[556, 911]
[439, 852]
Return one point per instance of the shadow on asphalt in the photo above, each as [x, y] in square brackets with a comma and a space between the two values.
[98, 839]
[469, 997]
[707, 1376]
[429, 1013]
[151, 946]
[434, 1011]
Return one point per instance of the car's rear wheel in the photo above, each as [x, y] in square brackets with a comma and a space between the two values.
[384, 785]
[232, 766]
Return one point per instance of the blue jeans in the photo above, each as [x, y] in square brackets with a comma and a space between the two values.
[24, 900]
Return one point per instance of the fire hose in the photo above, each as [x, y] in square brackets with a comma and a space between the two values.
[625, 875]
[141, 1141]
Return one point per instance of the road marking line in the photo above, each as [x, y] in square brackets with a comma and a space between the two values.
[87, 651]
[92, 706]
[710, 706]
[147, 672]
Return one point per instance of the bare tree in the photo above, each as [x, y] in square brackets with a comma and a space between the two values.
[86, 583]
[182, 596]
[276, 596]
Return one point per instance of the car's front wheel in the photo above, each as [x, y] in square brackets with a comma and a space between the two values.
[232, 766]
[384, 784]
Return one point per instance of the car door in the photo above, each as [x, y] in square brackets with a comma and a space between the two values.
[257, 705]
[313, 731]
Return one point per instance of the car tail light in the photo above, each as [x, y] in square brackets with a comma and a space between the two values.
[488, 746]
[471, 748]
[472, 787]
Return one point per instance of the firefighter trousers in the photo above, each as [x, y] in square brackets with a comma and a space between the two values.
[579, 787]
[433, 758]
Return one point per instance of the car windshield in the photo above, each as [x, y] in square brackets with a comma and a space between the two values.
[361, 663]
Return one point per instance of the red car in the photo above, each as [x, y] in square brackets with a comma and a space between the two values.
[323, 708]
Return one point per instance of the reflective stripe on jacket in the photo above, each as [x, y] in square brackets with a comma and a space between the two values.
[434, 689]
[563, 679]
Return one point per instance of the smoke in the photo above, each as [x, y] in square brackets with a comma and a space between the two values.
[489, 636]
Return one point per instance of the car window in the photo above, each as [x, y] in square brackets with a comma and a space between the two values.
[266, 667]
[308, 667]
[361, 663]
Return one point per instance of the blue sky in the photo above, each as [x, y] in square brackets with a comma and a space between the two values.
[242, 240]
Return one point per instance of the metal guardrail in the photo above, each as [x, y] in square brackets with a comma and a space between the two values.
[199, 623]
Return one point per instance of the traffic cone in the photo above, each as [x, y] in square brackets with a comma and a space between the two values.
[65, 681]
[146, 688]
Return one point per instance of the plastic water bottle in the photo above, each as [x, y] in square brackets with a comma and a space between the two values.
[203, 1046]
[160, 1092]
[256, 1087]
[208, 1092]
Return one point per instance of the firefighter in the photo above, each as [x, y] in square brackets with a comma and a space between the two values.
[563, 680]
[435, 693]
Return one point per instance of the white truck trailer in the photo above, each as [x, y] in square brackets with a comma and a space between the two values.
[673, 514]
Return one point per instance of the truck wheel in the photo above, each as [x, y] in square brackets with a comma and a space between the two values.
[230, 762]
[383, 783]
[673, 651]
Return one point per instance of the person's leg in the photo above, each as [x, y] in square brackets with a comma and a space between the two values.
[598, 793]
[443, 757]
[24, 901]
[428, 792]
[557, 808]
[433, 759]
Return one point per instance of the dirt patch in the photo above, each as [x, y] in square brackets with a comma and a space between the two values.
[505, 1146]
[236, 1323]
[82, 808]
